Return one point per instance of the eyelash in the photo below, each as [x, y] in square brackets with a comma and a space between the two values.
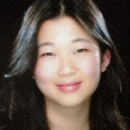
[82, 50]
[48, 54]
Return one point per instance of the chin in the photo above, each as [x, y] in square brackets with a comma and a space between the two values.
[71, 101]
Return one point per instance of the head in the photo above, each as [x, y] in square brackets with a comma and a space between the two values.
[68, 54]
[84, 20]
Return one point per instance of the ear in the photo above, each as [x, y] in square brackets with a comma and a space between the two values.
[105, 60]
[33, 77]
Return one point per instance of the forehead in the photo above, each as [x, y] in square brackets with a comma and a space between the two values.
[62, 29]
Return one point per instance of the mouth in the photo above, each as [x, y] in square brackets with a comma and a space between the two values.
[69, 87]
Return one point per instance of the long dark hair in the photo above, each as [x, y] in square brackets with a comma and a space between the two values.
[21, 102]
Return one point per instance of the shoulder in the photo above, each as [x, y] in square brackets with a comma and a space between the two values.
[2, 127]
[4, 121]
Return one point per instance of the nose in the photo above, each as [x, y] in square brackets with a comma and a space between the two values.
[66, 66]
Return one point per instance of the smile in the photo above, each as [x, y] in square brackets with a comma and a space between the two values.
[69, 87]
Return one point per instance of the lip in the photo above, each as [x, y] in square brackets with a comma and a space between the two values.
[69, 87]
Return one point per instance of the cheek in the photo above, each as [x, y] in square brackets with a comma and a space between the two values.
[44, 71]
[90, 65]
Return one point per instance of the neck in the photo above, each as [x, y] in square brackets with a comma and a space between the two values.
[68, 118]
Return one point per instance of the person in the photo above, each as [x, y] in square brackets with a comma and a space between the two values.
[65, 72]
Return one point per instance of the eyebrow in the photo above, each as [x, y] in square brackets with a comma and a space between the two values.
[46, 44]
[73, 41]
[80, 40]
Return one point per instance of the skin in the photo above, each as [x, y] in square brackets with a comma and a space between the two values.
[68, 54]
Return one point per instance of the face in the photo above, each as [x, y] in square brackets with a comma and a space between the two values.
[69, 62]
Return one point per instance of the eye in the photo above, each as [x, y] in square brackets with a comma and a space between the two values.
[81, 50]
[47, 54]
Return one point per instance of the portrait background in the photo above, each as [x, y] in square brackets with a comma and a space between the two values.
[116, 13]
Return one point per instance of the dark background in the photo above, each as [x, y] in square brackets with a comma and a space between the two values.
[116, 13]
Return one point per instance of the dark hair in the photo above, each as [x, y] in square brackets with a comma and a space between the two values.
[21, 102]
